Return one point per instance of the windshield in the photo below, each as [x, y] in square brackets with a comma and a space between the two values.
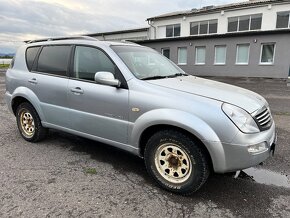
[146, 63]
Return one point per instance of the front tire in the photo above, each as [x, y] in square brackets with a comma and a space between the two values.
[29, 123]
[176, 162]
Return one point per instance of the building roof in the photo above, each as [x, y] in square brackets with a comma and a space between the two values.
[212, 8]
[119, 32]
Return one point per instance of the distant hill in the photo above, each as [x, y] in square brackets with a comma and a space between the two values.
[6, 55]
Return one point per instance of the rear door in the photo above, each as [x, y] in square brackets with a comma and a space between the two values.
[98, 110]
[49, 81]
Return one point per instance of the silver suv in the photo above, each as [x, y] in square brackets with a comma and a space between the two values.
[133, 98]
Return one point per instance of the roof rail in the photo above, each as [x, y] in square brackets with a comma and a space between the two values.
[62, 38]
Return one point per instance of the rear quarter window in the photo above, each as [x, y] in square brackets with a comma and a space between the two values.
[54, 60]
[31, 53]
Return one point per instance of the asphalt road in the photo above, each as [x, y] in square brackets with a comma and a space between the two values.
[69, 176]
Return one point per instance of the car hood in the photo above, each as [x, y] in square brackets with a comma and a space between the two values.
[248, 100]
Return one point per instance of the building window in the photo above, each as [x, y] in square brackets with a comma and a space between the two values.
[283, 19]
[182, 56]
[203, 27]
[166, 52]
[267, 53]
[243, 54]
[245, 23]
[173, 30]
[200, 55]
[220, 54]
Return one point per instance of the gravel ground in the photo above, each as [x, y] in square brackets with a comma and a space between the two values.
[69, 176]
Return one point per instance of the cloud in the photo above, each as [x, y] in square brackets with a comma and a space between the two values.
[30, 19]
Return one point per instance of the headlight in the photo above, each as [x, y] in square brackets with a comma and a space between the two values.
[242, 119]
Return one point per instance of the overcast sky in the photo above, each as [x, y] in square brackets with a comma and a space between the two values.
[31, 19]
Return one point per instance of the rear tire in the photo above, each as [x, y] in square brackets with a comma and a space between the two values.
[176, 162]
[29, 123]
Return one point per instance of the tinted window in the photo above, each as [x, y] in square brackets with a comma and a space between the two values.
[256, 22]
[233, 24]
[176, 30]
[169, 31]
[166, 52]
[30, 56]
[54, 60]
[213, 26]
[203, 27]
[88, 61]
[244, 23]
[194, 28]
[173, 30]
[282, 20]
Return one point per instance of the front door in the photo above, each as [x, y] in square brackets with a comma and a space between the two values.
[96, 109]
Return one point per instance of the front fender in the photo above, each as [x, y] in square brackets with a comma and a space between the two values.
[31, 97]
[183, 120]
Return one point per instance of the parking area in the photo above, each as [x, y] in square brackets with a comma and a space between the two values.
[69, 176]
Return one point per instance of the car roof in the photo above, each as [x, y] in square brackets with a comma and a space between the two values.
[85, 40]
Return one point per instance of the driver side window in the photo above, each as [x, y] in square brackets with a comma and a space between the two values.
[88, 61]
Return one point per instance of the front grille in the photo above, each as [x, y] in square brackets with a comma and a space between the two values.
[264, 119]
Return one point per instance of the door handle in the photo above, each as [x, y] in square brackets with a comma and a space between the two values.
[32, 81]
[77, 90]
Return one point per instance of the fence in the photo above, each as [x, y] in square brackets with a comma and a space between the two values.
[5, 61]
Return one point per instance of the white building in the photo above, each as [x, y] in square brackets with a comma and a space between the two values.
[247, 39]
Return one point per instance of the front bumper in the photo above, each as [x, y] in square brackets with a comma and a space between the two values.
[237, 156]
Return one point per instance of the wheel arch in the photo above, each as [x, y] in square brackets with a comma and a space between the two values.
[185, 122]
[23, 94]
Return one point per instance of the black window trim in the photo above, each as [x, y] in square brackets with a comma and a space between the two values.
[35, 63]
[122, 79]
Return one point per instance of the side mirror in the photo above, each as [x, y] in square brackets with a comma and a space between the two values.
[107, 78]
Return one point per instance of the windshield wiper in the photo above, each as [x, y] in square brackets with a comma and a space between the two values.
[154, 77]
[176, 75]
[163, 77]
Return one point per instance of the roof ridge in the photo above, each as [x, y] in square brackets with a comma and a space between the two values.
[217, 7]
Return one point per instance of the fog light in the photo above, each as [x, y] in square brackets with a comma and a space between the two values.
[261, 147]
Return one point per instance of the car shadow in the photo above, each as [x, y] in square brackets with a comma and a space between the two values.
[241, 195]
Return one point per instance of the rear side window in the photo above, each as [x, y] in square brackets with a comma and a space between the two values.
[54, 60]
[30, 56]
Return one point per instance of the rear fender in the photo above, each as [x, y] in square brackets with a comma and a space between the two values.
[30, 96]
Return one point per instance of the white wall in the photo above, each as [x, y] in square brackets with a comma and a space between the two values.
[127, 36]
[268, 21]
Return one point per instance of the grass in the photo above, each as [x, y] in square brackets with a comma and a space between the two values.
[91, 171]
[4, 66]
